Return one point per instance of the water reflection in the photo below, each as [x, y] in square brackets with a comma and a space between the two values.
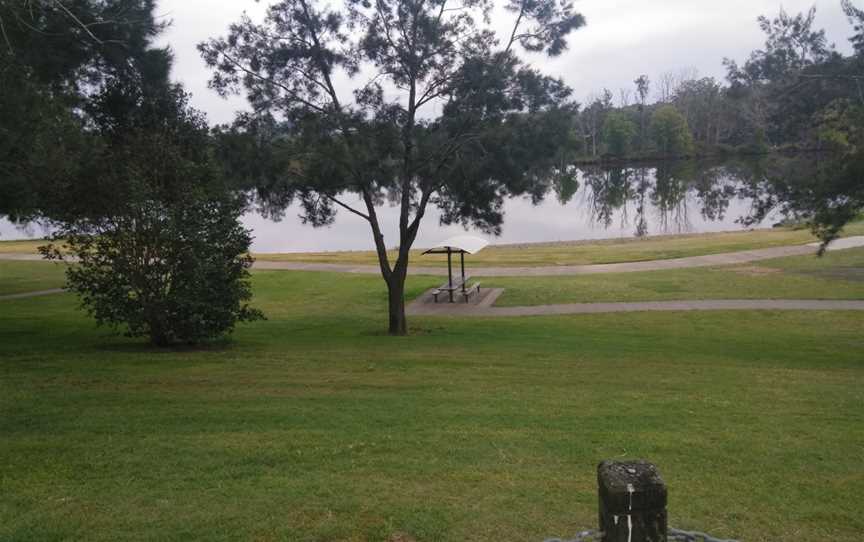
[598, 202]
[662, 199]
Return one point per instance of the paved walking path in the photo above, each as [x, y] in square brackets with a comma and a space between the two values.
[484, 306]
[730, 258]
[25, 295]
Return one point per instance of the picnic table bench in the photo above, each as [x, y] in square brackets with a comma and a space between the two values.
[462, 287]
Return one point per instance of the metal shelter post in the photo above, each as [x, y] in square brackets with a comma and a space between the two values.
[462, 261]
[450, 272]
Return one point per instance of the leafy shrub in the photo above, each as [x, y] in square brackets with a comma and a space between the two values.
[159, 247]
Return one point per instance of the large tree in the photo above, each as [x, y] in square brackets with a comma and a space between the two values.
[413, 102]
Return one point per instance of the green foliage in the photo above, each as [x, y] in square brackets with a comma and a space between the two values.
[175, 272]
[856, 19]
[826, 194]
[702, 102]
[53, 57]
[159, 247]
[791, 44]
[75, 45]
[300, 61]
[618, 133]
[670, 133]
[833, 127]
[41, 142]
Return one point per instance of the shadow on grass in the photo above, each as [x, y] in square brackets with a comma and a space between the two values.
[118, 344]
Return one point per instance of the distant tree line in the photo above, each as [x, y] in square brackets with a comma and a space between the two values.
[796, 93]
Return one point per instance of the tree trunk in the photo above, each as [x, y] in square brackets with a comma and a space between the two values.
[158, 335]
[396, 305]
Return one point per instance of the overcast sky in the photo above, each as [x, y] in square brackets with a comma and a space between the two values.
[623, 38]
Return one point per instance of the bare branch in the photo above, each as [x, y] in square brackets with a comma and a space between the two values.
[347, 207]
[6, 37]
[513, 34]
[78, 21]
[291, 92]
[325, 70]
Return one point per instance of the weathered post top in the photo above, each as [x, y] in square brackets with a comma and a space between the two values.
[632, 502]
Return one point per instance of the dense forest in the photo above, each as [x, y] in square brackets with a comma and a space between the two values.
[795, 94]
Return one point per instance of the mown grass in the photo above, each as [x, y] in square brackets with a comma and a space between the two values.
[27, 246]
[562, 253]
[837, 275]
[314, 425]
[591, 252]
[18, 277]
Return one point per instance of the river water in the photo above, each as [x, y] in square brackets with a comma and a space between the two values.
[603, 203]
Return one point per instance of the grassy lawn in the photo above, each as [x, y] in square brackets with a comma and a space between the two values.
[21, 247]
[18, 277]
[592, 252]
[564, 253]
[314, 425]
[837, 275]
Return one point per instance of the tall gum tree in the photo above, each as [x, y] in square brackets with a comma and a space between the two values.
[407, 102]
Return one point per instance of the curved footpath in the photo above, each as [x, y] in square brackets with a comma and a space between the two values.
[484, 307]
[730, 258]
[39, 293]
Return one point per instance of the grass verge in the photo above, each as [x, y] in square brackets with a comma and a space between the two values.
[563, 253]
[837, 275]
[19, 277]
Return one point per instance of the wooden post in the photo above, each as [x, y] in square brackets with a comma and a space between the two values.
[632, 502]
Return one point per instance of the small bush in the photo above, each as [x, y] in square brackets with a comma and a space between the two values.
[159, 248]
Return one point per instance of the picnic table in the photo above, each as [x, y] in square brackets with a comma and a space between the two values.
[461, 245]
[461, 286]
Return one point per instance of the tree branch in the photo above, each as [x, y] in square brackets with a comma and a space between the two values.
[325, 70]
[72, 16]
[6, 37]
[380, 247]
[291, 92]
[513, 36]
[347, 207]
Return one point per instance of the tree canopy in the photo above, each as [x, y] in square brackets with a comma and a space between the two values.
[53, 57]
[670, 132]
[618, 132]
